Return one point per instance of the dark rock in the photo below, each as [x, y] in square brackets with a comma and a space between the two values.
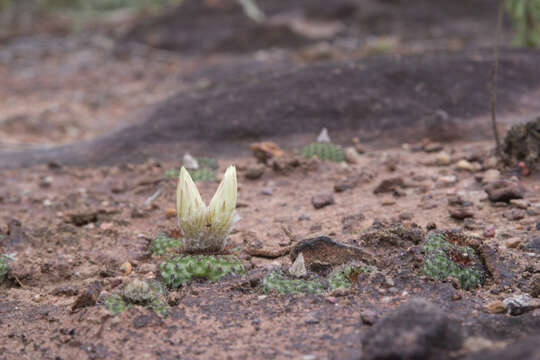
[322, 200]
[494, 265]
[368, 317]
[416, 330]
[322, 253]
[88, 297]
[352, 181]
[431, 226]
[535, 286]
[461, 212]
[16, 236]
[406, 215]
[254, 173]
[343, 185]
[514, 214]
[533, 245]
[393, 235]
[526, 349]
[66, 290]
[455, 200]
[350, 222]
[389, 185]
[141, 321]
[504, 190]
[538, 225]
[489, 231]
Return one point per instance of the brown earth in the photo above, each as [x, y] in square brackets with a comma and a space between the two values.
[75, 228]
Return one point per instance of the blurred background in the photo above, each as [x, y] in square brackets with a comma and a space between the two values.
[74, 69]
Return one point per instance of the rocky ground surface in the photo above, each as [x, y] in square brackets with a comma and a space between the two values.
[81, 233]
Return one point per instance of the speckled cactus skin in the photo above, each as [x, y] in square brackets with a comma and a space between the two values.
[179, 270]
[281, 282]
[324, 151]
[444, 259]
[205, 172]
[164, 244]
[116, 304]
[202, 174]
[149, 294]
[4, 268]
[207, 162]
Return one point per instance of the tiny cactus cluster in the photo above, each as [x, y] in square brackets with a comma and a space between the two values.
[149, 294]
[162, 244]
[179, 270]
[445, 259]
[324, 151]
[280, 282]
[205, 171]
[202, 174]
[4, 268]
[341, 278]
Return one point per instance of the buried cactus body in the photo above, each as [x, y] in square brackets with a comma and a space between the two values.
[149, 294]
[3, 268]
[341, 278]
[447, 259]
[206, 228]
[324, 151]
[163, 244]
[179, 270]
[203, 172]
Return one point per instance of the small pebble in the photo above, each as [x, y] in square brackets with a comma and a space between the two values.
[512, 243]
[443, 159]
[489, 231]
[322, 200]
[126, 268]
[170, 212]
[464, 165]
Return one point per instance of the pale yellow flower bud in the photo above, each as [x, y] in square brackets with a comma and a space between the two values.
[206, 228]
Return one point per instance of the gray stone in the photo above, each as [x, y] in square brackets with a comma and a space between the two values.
[418, 329]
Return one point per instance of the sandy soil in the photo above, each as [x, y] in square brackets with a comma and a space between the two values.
[83, 233]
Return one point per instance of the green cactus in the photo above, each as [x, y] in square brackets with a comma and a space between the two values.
[202, 174]
[4, 267]
[182, 269]
[149, 294]
[445, 257]
[205, 172]
[340, 278]
[280, 282]
[207, 162]
[115, 304]
[526, 17]
[324, 151]
[163, 244]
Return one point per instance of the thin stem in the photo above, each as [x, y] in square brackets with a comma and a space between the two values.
[494, 73]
